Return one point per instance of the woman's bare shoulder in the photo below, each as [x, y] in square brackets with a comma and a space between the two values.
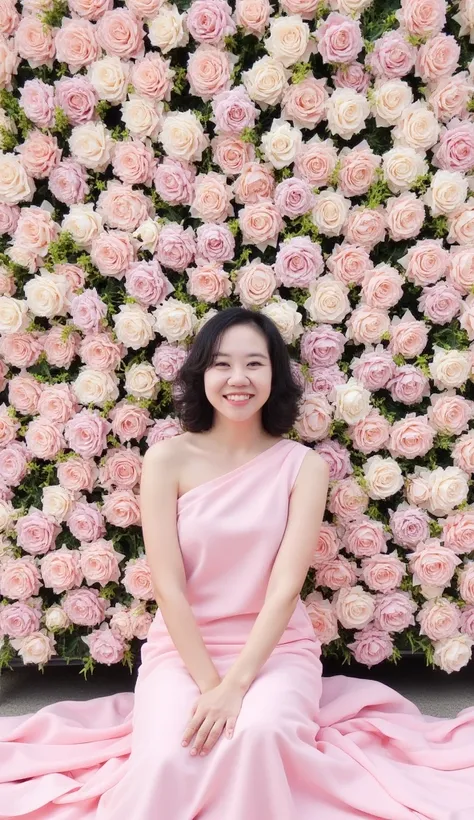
[168, 452]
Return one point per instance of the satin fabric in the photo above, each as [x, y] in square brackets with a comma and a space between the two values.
[304, 748]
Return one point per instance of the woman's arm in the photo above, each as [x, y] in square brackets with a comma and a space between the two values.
[158, 504]
[306, 512]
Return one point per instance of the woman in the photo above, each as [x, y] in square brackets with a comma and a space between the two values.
[230, 720]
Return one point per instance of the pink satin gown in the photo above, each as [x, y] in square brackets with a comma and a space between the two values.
[304, 748]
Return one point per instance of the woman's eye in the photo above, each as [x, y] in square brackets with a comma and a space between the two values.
[257, 363]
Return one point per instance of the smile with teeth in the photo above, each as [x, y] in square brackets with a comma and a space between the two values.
[238, 398]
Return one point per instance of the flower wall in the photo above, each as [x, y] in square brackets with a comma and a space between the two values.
[162, 161]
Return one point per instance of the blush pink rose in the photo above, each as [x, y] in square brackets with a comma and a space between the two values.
[383, 573]
[100, 562]
[405, 215]
[146, 282]
[450, 413]
[294, 197]
[458, 532]
[39, 154]
[210, 21]
[233, 110]
[371, 646]
[59, 351]
[409, 384]
[438, 57]
[35, 42]
[392, 57]
[101, 352]
[20, 349]
[316, 161]
[438, 619]
[212, 198]
[84, 607]
[337, 457]
[120, 34]
[352, 75]
[354, 606]
[137, 579]
[144, 8]
[105, 646]
[86, 521]
[347, 499]
[324, 379]
[14, 462]
[425, 262]
[9, 18]
[394, 611]
[409, 525]
[322, 346]
[61, 570]
[463, 453]
[124, 207]
[260, 224]
[349, 263]
[24, 392]
[152, 77]
[112, 253]
[231, 154]
[322, 616]
[176, 247]
[408, 336]
[20, 619]
[167, 361]
[76, 44]
[327, 546]
[87, 311]
[411, 437]
[9, 216]
[68, 182]
[422, 18]
[36, 532]
[121, 508]
[455, 149]
[364, 537]
[209, 70]
[253, 15]
[373, 369]
[57, 403]
[449, 96]
[367, 325]
[357, 170]
[44, 438]
[19, 578]
[339, 39]
[382, 287]
[174, 181]
[299, 262]
[77, 97]
[466, 624]
[335, 574]
[129, 421]
[256, 183]
[304, 103]
[90, 9]
[255, 283]
[371, 433]
[77, 474]
[37, 101]
[466, 583]
[432, 564]
[86, 433]
[441, 303]
[460, 273]
[365, 226]
[208, 282]
[314, 420]
[461, 226]
[214, 243]
[164, 428]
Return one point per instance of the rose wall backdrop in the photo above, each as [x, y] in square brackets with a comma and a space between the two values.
[162, 161]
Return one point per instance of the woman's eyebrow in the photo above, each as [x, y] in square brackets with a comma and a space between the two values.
[249, 355]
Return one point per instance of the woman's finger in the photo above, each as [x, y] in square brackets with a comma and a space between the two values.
[230, 726]
[213, 736]
[201, 736]
[192, 728]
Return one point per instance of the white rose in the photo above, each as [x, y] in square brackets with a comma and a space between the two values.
[449, 487]
[266, 81]
[55, 618]
[353, 8]
[14, 316]
[354, 607]
[35, 648]
[7, 515]
[57, 502]
[281, 144]
[447, 192]
[109, 77]
[388, 101]
[91, 145]
[417, 127]
[328, 301]
[330, 212]
[450, 368]
[83, 223]
[15, 184]
[175, 320]
[401, 166]
[284, 313]
[383, 476]
[133, 326]
[352, 401]
[47, 295]
[166, 30]
[95, 386]
[183, 137]
[347, 112]
[142, 117]
[289, 39]
[451, 654]
[141, 381]
[147, 235]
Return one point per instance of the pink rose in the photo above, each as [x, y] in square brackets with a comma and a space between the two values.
[87, 310]
[144, 8]
[176, 247]
[255, 283]
[77, 474]
[371, 433]
[174, 181]
[36, 648]
[35, 42]
[294, 197]
[57, 403]
[167, 361]
[450, 413]
[100, 562]
[146, 282]
[9, 216]
[14, 463]
[337, 457]
[347, 499]
[382, 287]
[364, 538]
[352, 75]
[68, 182]
[121, 508]
[460, 272]
[209, 71]
[210, 21]
[253, 15]
[77, 97]
[466, 583]
[84, 607]
[349, 264]
[365, 226]
[408, 336]
[336, 574]
[305, 102]
[23, 393]
[432, 564]
[425, 262]
[463, 453]
[438, 57]
[20, 349]
[76, 44]
[90, 9]
[405, 215]
[152, 77]
[409, 525]
[314, 418]
[256, 183]
[61, 570]
[37, 101]
[371, 646]
[214, 243]
[233, 110]
[299, 262]
[322, 617]
[39, 154]
[112, 253]
[422, 18]
[120, 34]
[455, 149]
[208, 282]
[438, 619]
[394, 611]
[86, 433]
[137, 579]
[393, 56]
[322, 346]
[357, 171]
[316, 161]
[9, 59]
[35, 230]
[327, 546]
[461, 226]
[354, 606]
[19, 578]
[449, 96]
[408, 385]
[260, 224]
[466, 624]
[105, 646]
[129, 421]
[458, 532]
[212, 198]
[60, 352]
[324, 379]
[383, 573]
[86, 521]
[124, 207]
[101, 352]
[339, 39]
[44, 439]
[20, 619]
[164, 428]
[9, 19]
[231, 154]
[411, 437]
[367, 325]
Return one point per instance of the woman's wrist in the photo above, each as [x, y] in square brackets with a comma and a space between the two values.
[207, 685]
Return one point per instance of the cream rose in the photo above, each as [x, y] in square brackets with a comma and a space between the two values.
[95, 387]
[183, 137]
[347, 112]
[389, 100]
[91, 145]
[284, 313]
[289, 40]
[330, 212]
[450, 368]
[175, 320]
[110, 77]
[451, 654]
[15, 185]
[47, 295]
[383, 476]
[401, 166]
[447, 192]
[14, 317]
[417, 127]
[167, 29]
[133, 326]
[142, 117]
[352, 401]
[83, 223]
[281, 144]
[141, 381]
[58, 502]
[449, 488]
[266, 81]
[328, 302]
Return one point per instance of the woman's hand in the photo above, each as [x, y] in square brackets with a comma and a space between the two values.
[213, 712]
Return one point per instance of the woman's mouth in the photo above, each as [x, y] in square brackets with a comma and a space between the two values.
[238, 398]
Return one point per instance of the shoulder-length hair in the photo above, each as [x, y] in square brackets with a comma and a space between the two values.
[192, 407]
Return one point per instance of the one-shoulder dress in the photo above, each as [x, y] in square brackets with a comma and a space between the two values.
[305, 747]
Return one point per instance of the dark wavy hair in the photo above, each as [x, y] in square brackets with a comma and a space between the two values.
[192, 407]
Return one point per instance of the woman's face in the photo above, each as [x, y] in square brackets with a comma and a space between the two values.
[238, 381]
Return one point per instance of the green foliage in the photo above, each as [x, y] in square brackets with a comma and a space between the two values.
[300, 71]
[8, 140]
[62, 250]
[302, 226]
[61, 123]
[12, 108]
[378, 193]
[52, 18]
[102, 108]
